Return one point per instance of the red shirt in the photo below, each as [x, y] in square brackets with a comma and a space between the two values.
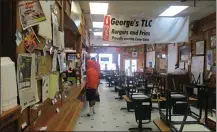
[92, 78]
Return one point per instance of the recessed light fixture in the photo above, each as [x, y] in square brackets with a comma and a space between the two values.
[105, 44]
[173, 10]
[98, 8]
[97, 24]
[97, 33]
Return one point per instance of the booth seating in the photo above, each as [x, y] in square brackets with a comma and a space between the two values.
[184, 125]
[201, 89]
[114, 77]
[120, 87]
[210, 120]
[176, 101]
[130, 89]
[142, 107]
[109, 79]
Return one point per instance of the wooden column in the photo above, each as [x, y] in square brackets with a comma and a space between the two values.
[8, 29]
[144, 64]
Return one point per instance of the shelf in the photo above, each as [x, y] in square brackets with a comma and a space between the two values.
[10, 118]
[5, 114]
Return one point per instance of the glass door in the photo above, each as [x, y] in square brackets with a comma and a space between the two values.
[133, 66]
[130, 66]
[127, 67]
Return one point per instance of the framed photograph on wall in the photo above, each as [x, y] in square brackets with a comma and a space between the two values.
[213, 42]
[200, 47]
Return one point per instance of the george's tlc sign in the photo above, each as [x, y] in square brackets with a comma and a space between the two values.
[148, 31]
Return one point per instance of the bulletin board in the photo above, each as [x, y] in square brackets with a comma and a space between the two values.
[150, 59]
[197, 67]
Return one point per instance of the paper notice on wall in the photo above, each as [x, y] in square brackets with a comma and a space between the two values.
[163, 64]
[209, 58]
[61, 40]
[197, 68]
[45, 29]
[43, 65]
[61, 62]
[54, 61]
[45, 86]
[27, 85]
[31, 13]
[53, 85]
[55, 30]
[18, 37]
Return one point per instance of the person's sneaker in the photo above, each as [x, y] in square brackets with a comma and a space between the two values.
[88, 115]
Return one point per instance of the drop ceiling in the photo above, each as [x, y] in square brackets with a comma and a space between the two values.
[144, 9]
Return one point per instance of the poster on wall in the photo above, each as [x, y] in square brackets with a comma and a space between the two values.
[30, 39]
[163, 64]
[53, 85]
[31, 13]
[27, 85]
[45, 86]
[134, 54]
[213, 42]
[143, 30]
[209, 58]
[46, 6]
[55, 30]
[199, 47]
[150, 59]
[197, 68]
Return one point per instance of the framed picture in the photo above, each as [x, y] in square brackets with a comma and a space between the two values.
[150, 47]
[134, 54]
[158, 55]
[213, 42]
[200, 47]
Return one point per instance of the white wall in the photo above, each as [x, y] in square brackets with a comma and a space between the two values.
[172, 57]
[150, 57]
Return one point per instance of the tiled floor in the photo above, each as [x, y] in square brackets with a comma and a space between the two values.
[108, 115]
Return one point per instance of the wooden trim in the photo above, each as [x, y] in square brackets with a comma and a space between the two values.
[161, 125]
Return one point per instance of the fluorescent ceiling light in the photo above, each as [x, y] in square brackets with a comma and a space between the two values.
[105, 44]
[173, 10]
[98, 8]
[97, 24]
[97, 33]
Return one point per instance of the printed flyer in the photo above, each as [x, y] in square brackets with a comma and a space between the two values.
[27, 85]
[31, 13]
[30, 39]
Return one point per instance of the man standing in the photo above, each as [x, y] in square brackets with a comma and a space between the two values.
[99, 73]
[92, 80]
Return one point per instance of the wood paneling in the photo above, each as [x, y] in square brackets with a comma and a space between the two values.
[204, 29]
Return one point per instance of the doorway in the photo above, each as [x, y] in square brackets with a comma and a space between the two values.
[130, 66]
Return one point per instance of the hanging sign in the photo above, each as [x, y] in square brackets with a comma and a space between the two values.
[148, 31]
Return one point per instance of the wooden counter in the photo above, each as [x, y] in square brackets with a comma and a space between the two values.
[75, 91]
[10, 120]
[69, 110]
